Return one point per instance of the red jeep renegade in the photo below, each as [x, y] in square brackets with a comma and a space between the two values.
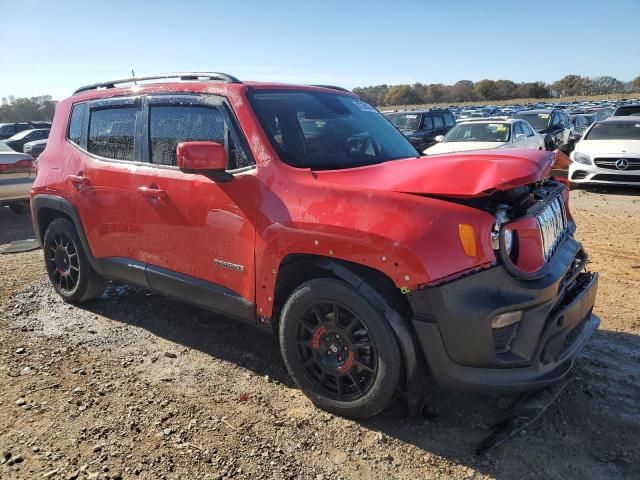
[303, 210]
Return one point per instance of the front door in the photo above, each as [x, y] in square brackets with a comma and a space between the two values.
[197, 231]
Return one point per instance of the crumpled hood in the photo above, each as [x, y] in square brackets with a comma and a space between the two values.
[448, 147]
[463, 175]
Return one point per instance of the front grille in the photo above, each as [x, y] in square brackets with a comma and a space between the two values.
[604, 177]
[503, 337]
[617, 163]
[579, 175]
[552, 222]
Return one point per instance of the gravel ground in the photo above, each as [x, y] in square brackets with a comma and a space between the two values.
[139, 386]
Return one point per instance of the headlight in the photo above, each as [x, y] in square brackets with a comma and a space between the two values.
[581, 158]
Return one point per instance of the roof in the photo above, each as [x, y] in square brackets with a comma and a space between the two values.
[197, 82]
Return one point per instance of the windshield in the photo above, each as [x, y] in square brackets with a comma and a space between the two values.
[614, 131]
[327, 131]
[405, 121]
[539, 121]
[478, 132]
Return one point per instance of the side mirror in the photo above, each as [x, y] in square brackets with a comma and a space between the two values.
[201, 156]
[520, 136]
[439, 138]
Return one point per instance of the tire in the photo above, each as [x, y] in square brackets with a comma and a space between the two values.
[358, 356]
[67, 265]
[19, 208]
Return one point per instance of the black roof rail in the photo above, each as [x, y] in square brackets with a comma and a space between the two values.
[332, 87]
[182, 76]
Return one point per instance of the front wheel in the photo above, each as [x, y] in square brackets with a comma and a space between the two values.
[339, 349]
[67, 265]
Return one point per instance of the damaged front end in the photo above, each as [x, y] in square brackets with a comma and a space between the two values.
[520, 324]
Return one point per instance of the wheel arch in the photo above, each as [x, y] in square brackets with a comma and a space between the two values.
[46, 208]
[376, 287]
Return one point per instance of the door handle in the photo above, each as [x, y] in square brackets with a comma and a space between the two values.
[152, 192]
[79, 181]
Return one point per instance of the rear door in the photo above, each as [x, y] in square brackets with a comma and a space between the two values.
[197, 231]
[100, 174]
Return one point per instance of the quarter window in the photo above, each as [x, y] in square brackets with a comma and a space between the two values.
[75, 123]
[112, 132]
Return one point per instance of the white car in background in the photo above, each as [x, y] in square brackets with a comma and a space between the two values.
[17, 173]
[608, 153]
[487, 134]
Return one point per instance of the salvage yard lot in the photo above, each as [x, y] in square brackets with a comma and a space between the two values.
[139, 386]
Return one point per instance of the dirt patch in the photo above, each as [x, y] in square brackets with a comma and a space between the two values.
[136, 385]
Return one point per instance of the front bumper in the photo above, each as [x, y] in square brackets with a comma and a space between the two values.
[592, 174]
[453, 323]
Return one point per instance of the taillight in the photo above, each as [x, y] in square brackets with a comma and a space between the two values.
[21, 166]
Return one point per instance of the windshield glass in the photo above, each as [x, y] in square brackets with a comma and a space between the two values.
[539, 121]
[327, 131]
[405, 121]
[614, 131]
[478, 132]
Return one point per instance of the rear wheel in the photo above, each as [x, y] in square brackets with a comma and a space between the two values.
[339, 349]
[67, 265]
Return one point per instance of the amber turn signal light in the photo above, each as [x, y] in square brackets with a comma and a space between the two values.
[468, 239]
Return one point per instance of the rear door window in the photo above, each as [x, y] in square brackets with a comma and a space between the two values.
[112, 132]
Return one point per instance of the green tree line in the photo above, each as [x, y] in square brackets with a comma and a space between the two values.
[468, 91]
[27, 109]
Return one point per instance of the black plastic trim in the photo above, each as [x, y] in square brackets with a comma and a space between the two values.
[453, 322]
[199, 292]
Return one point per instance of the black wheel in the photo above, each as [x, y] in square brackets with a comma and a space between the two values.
[339, 349]
[19, 208]
[67, 266]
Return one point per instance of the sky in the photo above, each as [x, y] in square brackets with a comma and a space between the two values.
[61, 45]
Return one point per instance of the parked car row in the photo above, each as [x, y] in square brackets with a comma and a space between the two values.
[8, 130]
[17, 172]
[23, 143]
[608, 132]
